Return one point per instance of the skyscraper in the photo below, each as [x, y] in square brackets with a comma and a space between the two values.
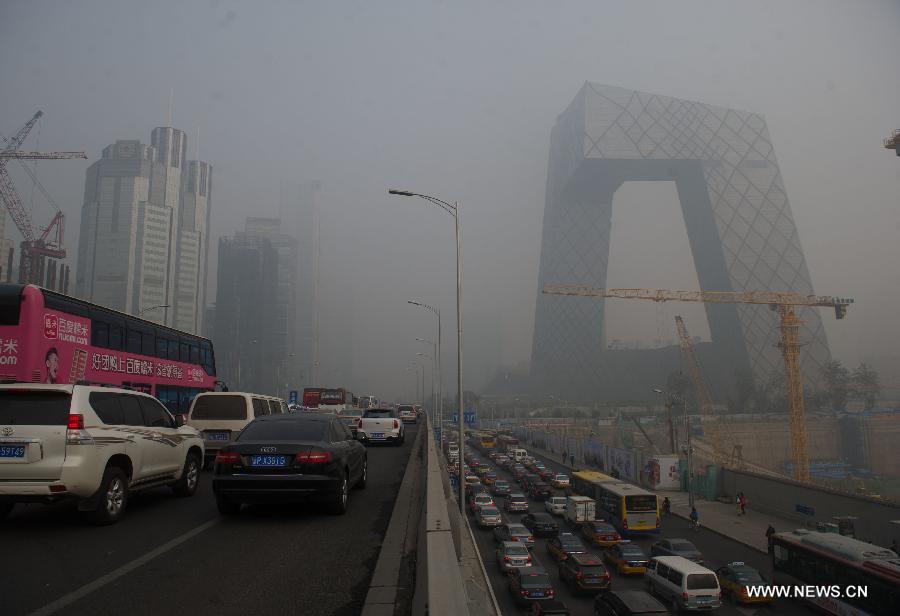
[299, 215]
[736, 212]
[284, 355]
[246, 306]
[143, 243]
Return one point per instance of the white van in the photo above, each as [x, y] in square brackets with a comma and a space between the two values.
[220, 415]
[517, 454]
[683, 584]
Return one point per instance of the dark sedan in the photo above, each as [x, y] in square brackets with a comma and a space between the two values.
[676, 547]
[290, 458]
[540, 491]
[541, 524]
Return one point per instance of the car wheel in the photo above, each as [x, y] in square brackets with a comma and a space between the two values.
[112, 498]
[190, 476]
[361, 484]
[226, 507]
[339, 505]
[5, 509]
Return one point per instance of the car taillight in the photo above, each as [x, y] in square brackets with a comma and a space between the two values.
[227, 457]
[579, 576]
[549, 592]
[625, 524]
[684, 595]
[523, 592]
[359, 423]
[313, 457]
[396, 425]
[657, 523]
[528, 558]
[75, 432]
[531, 538]
[506, 559]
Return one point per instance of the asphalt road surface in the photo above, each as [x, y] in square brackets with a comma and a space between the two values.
[717, 551]
[177, 555]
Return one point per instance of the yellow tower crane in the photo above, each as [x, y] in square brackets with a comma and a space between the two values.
[781, 301]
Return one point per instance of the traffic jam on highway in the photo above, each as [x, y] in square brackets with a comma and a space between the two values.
[96, 446]
[549, 548]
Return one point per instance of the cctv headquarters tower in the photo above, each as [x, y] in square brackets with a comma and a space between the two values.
[739, 225]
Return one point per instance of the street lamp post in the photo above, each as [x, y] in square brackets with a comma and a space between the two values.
[433, 373]
[437, 369]
[422, 355]
[453, 210]
[152, 308]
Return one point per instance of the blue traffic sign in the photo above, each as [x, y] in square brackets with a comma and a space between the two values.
[468, 417]
[292, 396]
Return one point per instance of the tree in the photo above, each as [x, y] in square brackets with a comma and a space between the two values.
[837, 385]
[865, 383]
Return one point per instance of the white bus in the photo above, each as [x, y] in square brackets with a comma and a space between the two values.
[847, 565]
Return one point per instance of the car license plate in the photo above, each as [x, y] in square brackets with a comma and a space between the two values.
[217, 436]
[12, 451]
[537, 594]
[378, 435]
[268, 460]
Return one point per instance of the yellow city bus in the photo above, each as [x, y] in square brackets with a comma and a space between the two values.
[487, 440]
[631, 509]
[587, 483]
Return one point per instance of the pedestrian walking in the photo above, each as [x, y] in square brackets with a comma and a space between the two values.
[770, 538]
[572, 460]
[742, 503]
[565, 454]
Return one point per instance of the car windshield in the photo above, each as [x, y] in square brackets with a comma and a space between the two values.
[229, 407]
[518, 529]
[297, 430]
[747, 576]
[35, 408]
[698, 581]
[631, 550]
[351, 413]
[570, 541]
[535, 580]
[516, 550]
[378, 413]
[683, 546]
[490, 511]
[594, 571]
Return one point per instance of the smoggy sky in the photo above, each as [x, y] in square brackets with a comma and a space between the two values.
[457, 99]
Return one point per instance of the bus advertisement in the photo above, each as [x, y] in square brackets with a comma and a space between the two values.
[47, 337]
[336, 400]
[311, 397]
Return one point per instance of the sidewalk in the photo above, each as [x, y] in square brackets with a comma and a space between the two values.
[718, 517]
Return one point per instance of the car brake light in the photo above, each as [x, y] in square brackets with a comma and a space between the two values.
[625, 523]
[57, 489]
[528, 558]
[227, 457]
[506, 559]
[396, 424]
[550, 592]
[313, 457]
[579, 576]
[684, 596]
[75, 432]
[359, 423]
[523, 592]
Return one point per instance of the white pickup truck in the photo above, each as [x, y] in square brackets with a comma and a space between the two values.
[381, 425]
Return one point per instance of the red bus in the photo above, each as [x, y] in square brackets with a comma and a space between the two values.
[47, 337]
[311, 396]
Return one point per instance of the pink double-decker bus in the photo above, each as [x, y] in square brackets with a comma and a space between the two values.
[47, 337]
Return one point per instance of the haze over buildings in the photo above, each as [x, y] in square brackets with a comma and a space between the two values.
[144, 244]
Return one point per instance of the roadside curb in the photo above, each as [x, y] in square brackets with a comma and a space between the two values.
[400, 538]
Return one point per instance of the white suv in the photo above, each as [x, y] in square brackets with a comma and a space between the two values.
[91, 444]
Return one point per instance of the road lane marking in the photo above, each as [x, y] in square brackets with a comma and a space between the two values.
[112, 576]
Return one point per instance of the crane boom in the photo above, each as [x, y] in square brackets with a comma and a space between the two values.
[41, 155]
[10, 197]
[771, 298]
[16, 140]
[782, 301]
[704, 400]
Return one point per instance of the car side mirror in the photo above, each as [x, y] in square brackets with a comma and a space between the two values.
[179, 420]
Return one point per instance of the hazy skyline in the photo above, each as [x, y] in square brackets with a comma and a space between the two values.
[458, 100]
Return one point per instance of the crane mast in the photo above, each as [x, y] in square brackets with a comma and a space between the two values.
[36, 248]
[783, 302]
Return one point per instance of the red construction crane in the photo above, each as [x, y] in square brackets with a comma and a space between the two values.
[36, 248]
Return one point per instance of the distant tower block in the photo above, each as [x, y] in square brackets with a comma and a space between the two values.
[739, 224]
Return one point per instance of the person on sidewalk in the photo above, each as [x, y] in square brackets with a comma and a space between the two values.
[565, 453]
[770, 538]
[572, 460]
[667, 506]
[742, 503]
[695, 519]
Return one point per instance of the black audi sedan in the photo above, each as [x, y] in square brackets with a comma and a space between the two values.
[298, 457]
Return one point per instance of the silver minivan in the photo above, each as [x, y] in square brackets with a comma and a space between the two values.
[220, 415]
[683, 584]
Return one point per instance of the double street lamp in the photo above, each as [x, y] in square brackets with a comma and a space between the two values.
[439, 406]
[453, 210]
[433, 373]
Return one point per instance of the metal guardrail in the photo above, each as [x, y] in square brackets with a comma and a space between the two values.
[446, 590]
